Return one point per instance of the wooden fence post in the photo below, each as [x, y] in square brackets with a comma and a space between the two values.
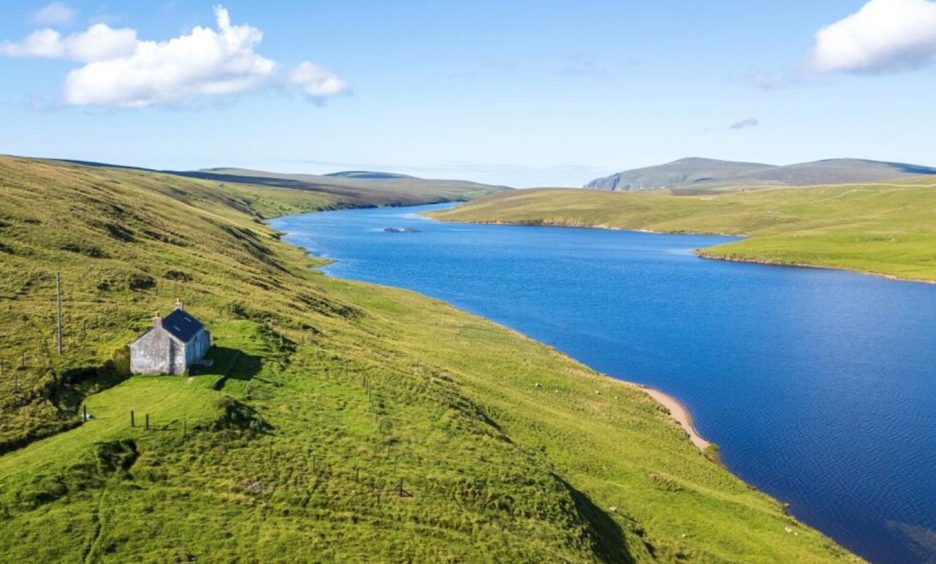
[132, 420]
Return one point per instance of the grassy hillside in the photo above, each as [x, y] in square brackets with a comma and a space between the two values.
[710, 175]
[323, 395]
[336, 190]
[836, 171]
[887, 229]
[357, 188]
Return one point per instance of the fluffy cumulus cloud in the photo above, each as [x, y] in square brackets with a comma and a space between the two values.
[119, 70]
[56, 13]
[883, 36]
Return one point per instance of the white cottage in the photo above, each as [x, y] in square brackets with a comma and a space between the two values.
[171, 345]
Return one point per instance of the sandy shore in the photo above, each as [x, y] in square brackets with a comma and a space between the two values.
[680, 414]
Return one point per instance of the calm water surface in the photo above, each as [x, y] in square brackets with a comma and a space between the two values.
[819, 385]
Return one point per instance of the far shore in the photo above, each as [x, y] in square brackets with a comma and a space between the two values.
[701, 253]
[679, 413]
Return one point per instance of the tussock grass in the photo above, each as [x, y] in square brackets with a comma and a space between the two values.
[323, 395]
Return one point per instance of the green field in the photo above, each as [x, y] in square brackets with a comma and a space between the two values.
[887, 229]
[324, 394]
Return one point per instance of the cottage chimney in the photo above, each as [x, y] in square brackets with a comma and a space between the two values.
[178, 303]
[157, 321]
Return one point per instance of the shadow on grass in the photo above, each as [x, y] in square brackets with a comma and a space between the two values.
[65, 393]
[232, 364]
[606, 535]
[70, 389]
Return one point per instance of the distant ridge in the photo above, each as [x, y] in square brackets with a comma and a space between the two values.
[344, 189]
[356, 188]
[368, 175]
[699, 173]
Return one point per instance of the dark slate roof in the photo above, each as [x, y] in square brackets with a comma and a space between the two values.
[182, 325]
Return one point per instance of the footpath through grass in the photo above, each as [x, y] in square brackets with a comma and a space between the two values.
[339, 421]
[887, 229]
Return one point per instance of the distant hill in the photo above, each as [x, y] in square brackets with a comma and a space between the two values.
[676, 173]
[356, 188]
[710, 173]
[841, 171]
[368, 175]
[353, 188]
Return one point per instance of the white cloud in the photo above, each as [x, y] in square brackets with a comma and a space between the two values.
[317, 82]
[56, 13]
[123, 71]
[884, 35]
[98, 43]
[204, 62]
[46, 43]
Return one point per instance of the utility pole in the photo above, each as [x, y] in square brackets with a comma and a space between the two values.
[58, 303]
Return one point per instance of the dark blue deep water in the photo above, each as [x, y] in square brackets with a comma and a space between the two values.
[819, 385]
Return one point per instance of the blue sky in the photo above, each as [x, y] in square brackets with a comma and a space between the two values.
[515, 92]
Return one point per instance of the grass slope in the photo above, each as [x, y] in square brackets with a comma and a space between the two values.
[322, 396]
[357, 188]
[887, 229]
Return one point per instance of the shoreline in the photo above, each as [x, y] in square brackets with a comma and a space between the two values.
[764, 262]
[701, 253]
[574, 225]
[679, 413]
